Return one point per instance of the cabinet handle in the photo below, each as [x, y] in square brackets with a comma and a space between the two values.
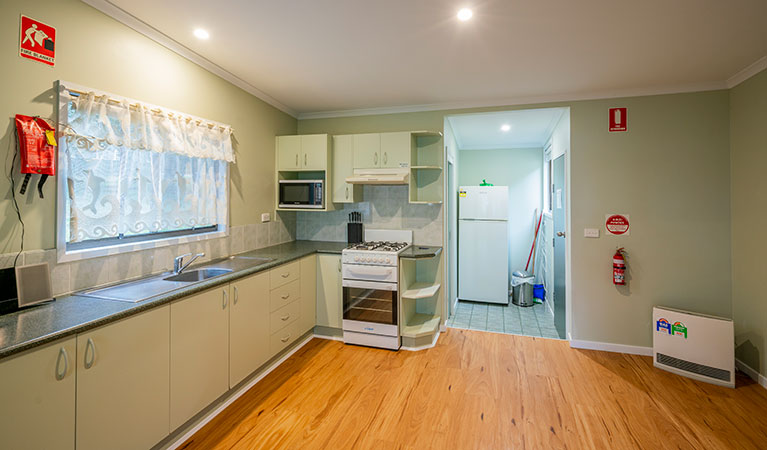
[285, 275]
[305, 163]
[88, 362]
[375, 158]
[347, 192]
[296, 159]
[285, 339]
[60, 374]
[236, 295]
[224, 299]
[339, 265]
[285, 297]
[284, 318]
[386, 157]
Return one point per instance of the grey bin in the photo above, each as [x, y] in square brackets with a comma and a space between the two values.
[522, 288]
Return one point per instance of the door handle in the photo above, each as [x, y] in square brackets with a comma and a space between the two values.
[88, 362]
[60, 374]
[224, 299]
[347, 192]
[561, 233]
[305, 159]
[386, 157]
[375, 158]
[296, 159]
[236, 296]
[339, 265]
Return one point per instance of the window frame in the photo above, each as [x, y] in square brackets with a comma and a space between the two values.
[133, 245]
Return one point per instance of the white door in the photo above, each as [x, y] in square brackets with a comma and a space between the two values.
[483, 264]
[483, 202]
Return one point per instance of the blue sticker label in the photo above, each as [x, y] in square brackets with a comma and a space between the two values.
[663, 325]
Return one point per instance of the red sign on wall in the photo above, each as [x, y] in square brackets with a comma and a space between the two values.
[617, 224]
[618, 119]
[37, 41]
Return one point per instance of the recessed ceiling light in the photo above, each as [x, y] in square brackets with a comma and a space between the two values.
[505, 127]
[199, 33]
[464, 14]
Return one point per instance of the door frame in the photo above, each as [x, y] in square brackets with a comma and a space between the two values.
[451, 260]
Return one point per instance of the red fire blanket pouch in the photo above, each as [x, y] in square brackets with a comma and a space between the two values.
[37, 146]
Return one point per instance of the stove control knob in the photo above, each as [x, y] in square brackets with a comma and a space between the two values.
[380, 260]
[388, 260]
[356, 258]
[367, 259]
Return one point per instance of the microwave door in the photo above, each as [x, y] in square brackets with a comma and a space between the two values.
[295, 194]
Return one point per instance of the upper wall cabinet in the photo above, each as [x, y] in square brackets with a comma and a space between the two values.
[367, 150]
[382, 150]
[343, 168]
[303, 153]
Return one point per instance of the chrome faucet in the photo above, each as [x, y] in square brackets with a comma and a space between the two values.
[179, 260]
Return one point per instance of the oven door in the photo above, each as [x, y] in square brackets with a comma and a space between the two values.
[372, 302]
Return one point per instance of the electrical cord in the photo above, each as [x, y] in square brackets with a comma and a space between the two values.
[16, 203]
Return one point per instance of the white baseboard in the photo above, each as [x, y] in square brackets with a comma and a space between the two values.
[423, 347]
[329, 338]
[751, 372]
[239, 393]
[606, 347]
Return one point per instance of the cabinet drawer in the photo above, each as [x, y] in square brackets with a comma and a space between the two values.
[284, 274]
[283, 338]
[283, 295]
[284, 316]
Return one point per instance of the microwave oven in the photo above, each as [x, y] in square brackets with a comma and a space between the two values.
[302, 194]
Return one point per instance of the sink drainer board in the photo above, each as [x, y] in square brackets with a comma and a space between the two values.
[140, 290]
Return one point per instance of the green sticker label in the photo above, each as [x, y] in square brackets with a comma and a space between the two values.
[679, 329]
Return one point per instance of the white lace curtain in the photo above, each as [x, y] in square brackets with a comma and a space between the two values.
[135, 169]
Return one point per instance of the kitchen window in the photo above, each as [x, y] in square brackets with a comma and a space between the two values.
[134, 176]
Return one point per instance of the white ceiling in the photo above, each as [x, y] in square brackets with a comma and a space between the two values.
[528, 128]
[338, 55]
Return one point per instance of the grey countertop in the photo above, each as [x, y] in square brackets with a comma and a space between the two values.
[420, 251]
[74, 314]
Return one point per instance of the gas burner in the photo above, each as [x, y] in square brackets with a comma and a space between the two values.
[383, 246]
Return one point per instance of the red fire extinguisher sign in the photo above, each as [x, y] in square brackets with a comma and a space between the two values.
[618, 119]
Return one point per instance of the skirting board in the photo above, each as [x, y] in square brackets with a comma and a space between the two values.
[423, 347]
[751, 372]
[616, 348]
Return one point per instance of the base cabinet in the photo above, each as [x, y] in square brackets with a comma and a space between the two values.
[38, 398]
[199, 352]
[329, 291]
[248, 326]
[122, 383]
[308, 293]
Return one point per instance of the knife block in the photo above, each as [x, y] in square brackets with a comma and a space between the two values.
[354, 233]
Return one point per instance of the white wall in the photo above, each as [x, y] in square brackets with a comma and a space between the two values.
[521, 170]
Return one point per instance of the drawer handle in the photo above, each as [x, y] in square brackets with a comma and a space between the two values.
[285, 275]
[285, 339]
[60, 374]
[88, 362]
[285, 297]
[284, 318]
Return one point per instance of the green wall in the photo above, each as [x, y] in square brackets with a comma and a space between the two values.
[748, 140]
[96, 51]
[670, 172]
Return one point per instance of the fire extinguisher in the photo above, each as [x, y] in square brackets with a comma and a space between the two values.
[619, 268]
[37, 142]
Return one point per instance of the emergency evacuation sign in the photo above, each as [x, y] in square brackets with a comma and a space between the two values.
[617, 224]
[618, 119]
[37, 41]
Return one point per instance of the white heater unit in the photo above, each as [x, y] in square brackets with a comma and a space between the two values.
[694, 345]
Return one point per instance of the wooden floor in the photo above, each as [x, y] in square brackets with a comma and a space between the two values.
[484, 390]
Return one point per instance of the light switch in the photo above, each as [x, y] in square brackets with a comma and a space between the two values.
[265, 217]
[591, 232]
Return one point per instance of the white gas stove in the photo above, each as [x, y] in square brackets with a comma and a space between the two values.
[371, 286]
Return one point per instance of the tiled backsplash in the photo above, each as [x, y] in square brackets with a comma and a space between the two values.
[79, 275]
[385, 207]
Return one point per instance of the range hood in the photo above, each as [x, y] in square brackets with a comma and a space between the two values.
[380, 176]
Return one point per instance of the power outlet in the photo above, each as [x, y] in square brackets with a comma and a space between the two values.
[266, 217]
[591, 232]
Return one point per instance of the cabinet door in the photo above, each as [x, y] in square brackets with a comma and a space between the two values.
[314, 152]
[308, 302]
[38, 398]
[343, 192]
[288, 152]
[199, 352]
[396, 149]
[122, 383]
[329, 291]
[366, 149]
[248, 326]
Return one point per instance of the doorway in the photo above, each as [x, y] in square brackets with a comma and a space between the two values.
[511, 164]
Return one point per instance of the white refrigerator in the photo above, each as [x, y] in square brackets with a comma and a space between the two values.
[483, 244]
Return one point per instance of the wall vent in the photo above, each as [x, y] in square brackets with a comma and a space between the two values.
[692, 367]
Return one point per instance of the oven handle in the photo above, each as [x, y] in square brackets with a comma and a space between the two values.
[375, 271]
[369, 285]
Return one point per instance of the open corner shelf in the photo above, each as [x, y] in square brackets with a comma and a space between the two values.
[427, 167]
[421, 290]
[421, 325]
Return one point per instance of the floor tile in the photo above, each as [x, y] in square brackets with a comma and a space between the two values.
[533, 321]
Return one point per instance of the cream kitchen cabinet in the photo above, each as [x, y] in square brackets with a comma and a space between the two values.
[122, 383]
[199, 352]
[38, 398]
[303, 152]
[308, 293]
[396, 149]
[366, 149]
[329, 291]
[248, 326]
[343, 167]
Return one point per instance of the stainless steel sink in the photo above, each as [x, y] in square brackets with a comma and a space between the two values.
[191, 276]
[140, 290]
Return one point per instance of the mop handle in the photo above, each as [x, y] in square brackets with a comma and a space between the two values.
[534, 239]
